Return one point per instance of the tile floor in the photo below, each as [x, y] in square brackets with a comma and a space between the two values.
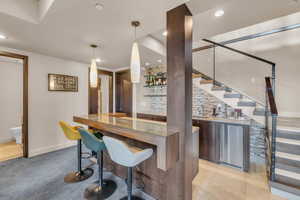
[217, 182]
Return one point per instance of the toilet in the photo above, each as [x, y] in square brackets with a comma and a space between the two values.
[17, 134]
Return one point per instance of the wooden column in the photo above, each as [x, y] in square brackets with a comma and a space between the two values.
[179, 99]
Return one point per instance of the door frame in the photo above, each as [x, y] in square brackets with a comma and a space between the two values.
[25, 98]
[119, 91]
[93, 92]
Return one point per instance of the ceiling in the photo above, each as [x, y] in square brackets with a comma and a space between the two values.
[66, 28]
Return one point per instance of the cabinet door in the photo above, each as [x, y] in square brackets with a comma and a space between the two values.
[208, 141]
[204, 140]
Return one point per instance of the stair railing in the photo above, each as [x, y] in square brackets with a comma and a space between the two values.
[270, 105]
[271, 109]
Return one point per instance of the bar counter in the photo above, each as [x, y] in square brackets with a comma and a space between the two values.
[155, 174]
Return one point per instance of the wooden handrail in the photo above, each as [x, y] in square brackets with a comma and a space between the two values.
[273, 107]
[240, 52]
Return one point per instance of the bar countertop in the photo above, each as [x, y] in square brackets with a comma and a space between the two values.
[134, 124]
[148, 131]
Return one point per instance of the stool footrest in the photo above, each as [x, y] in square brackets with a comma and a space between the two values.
[95, 191]
[75, 177]
[132, 198]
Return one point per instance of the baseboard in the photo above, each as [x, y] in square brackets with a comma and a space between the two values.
[50, 149]
[5, 140]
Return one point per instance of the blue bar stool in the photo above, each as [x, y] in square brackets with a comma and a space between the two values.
[120, 153]
[102, 189]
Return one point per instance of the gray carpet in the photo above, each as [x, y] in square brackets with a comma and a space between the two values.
[42, 178]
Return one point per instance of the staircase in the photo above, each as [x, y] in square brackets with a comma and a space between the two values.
[287, 161]
[287, 171]
[236, 100]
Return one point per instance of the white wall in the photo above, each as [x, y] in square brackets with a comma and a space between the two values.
[47, 108]
[11, 83]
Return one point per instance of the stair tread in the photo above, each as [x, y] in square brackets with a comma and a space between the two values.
[288, 174]
[287, 167]
[288, 141]
[289, 129]
[218, 88]
[285, 187]
[206, 81]
[232, 95]
[288, 156]
[246, 103]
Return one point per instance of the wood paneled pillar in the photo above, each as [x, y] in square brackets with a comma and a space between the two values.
[179, 96]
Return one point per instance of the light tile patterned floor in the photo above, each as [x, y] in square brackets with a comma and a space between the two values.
[217, 182]
[10, 150]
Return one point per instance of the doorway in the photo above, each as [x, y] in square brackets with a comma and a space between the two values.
[123, 92]
[15, 132]
[101, 98]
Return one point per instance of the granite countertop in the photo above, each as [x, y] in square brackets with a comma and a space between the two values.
[214, 119]
[138, 125]
[223, 120]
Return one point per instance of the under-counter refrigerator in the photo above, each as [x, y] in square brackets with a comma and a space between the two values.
[232, 145]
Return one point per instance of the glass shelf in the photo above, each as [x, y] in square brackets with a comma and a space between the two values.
[153, 86]
[155, 95]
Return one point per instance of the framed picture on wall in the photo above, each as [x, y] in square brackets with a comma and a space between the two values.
[64, 83]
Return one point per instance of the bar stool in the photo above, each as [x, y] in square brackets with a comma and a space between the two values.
[122, 154]
[103, 188]
[82, 174]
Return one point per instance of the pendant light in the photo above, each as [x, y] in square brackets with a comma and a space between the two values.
[135, 64]
[93, 69]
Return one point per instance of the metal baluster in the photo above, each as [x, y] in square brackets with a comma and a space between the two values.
[214, 66]
[273, 78]
[273, 156]
[274, 128]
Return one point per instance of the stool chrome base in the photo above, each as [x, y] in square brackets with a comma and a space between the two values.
[132, 198]
[75, 177]
[97, 192]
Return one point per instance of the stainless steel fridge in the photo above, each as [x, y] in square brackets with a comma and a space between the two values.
[231, 145]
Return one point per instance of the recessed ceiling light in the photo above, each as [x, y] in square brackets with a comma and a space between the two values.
[147, 64]
[159, 60]
[98, 60]
[219, 13]
[99, 6]
[165, 33]
[3, 37]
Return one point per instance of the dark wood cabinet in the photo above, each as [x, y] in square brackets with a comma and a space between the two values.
[209, 148]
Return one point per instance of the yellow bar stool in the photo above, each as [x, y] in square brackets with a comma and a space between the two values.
[82, 174]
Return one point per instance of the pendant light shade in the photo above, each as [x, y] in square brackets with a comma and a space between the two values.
[135, 65]
[93, 69]
[94, 74]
